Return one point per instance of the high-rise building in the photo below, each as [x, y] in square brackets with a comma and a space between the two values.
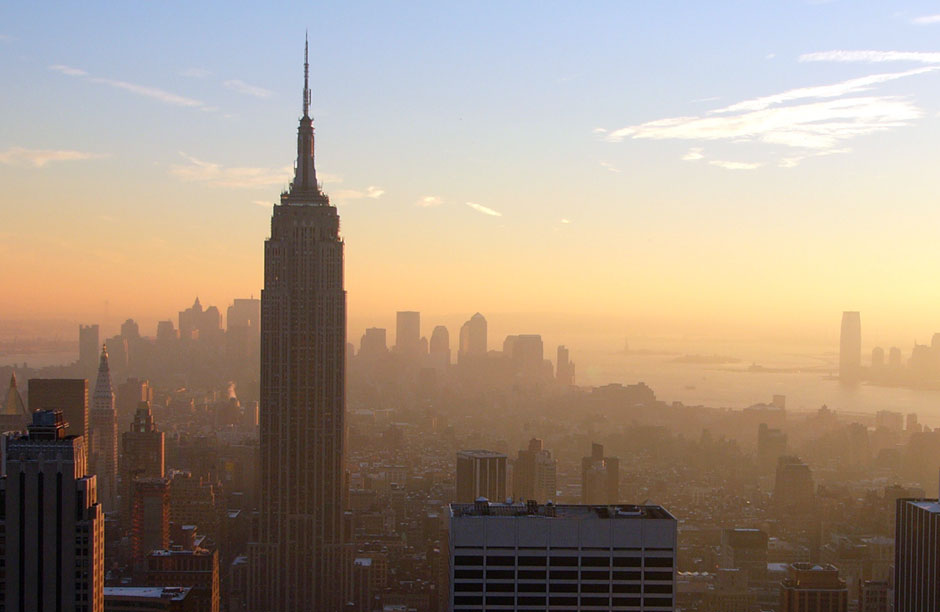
[149, 599]
[600, 477]
[143, 456]
[440, 347]
[150, 518]
[894, 358]
[13, 414]
[771, 445]
[129, 395]
[244, 313]
[68, 395]
[373, 343]
[408, 333]
[196, 323]
[480, 473]
[745, 550]
[564, 367]
[296, 562]
[917, 555]
[877, 358]
[850, 347]
[534, 474]
[52, 526]
[531, 556]
[103, 450]
[526, 353]
[196, 568]
[813, 588]
[88, 344]
[473, 338]
[873, 596]
[794, 490]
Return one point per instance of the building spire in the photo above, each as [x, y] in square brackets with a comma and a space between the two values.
[306, 77]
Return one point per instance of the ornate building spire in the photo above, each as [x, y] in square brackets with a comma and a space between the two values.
[104, 391]
[304, 189]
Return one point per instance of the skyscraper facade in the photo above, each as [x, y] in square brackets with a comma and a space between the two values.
[600, 477]
[472, 338]
[68, 395]
[440, 347]
[481, 473]
[104, 436]
[850, 347]
[408, 333]
[917, 555]
[534, 474]
[295, 561]
[52, 526]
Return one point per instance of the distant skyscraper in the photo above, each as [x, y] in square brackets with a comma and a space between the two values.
[130, 394]
[88, 344]
[917, 555]
[534, 474]
[408, 333]
[541, 557]
[150, 518]
[564, 368]
[745, 550]
[104, 436]
[481, 473]
[13, 413]
[143, 457]
[794, 490]
[526, 353]
[52, 527]
[771, 445]
[850, 347]
[813, 588]
[600, 478]
[68, 395]
[873, 596]
[296, 564]
[473, 338]
[877, 358]
[373, 343]
[440, 347]
[894, 358]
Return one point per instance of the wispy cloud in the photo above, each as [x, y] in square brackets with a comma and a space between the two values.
[429, 201]
[37, 158]
[565, 221]
[5, 38]
[371, 192]
[610, 167]
[694, 154]
[733, 165]
[154, 93]
[872, 57]
[926, 19]
[794, 160]
[195, 73]
[216, 175]
[813, 118]
[249, 90]
[484, 209]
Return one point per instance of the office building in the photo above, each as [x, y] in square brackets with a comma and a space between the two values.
[373, 343]
[103, 450]
[794, 490]
[810, 587]
[408, 333]
[148, 599]
[52, 526]
[771, 445]
[745, 550]
[129, 395]
[144, 455]
[150, 518]
[196, 323]
[600, 477]
[873, 596]
[473, 343]
[439, 352]
[480, 473]
[531, 556]
[68, 395]
[533, 474]
[88, 344]
[564, 367]
[13, 413]
[296, 563]
[917, 555]
[196, 568]
[850, 347]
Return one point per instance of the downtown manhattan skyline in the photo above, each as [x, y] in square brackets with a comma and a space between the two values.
[640, 177]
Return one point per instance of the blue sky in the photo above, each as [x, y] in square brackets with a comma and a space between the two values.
[619, 156]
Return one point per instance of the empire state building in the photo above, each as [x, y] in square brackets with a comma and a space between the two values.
[296, 562]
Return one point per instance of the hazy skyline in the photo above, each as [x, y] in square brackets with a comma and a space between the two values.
[637, 180]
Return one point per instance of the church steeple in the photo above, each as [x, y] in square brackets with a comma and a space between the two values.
[304, 188]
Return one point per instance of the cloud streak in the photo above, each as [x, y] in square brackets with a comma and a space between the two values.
[216, 175]
[249, 90]
[154, 93]
[816, 118]
[429, 201]
[926, 20]
[484, 209]
[370, 192]
[38, 158]
[872, 57]
[733, 165]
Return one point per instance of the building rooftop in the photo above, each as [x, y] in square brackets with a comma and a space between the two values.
[163, 593]
[482, 454]
[930, 505]
[569, 511]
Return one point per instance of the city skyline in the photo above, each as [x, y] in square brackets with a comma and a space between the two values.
[596, 215]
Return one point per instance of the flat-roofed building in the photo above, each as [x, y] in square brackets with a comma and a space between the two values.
[147, 599]
[532, 556]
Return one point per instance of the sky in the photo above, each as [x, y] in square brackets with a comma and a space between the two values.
[611, 169]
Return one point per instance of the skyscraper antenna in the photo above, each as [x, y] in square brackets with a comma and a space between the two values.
[306, 77]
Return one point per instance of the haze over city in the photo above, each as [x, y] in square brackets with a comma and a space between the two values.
[371, 307]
